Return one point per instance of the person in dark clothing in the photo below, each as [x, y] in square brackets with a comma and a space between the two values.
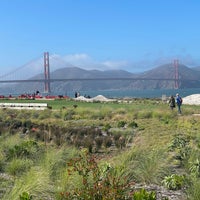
[172, 102]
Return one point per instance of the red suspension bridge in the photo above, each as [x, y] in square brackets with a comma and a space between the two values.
[44, 70]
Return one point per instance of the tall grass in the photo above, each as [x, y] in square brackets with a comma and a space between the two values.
[193, 192]
[36, 182]
[44, 179]
[146, 166]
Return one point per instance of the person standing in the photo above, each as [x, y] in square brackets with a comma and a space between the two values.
[172, 103]
[178, 102]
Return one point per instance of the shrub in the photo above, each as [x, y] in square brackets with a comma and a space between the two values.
[121, 124]
[133, 124]
[142, 194]
[178, 142]
[27, 124]
[180, 145]
[16, 124]
[25, 196]
[106, 127]
[97, 183]
[26, 149]
[173, 182]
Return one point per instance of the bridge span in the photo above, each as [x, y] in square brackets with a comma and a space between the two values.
[46, 79]
[93, 79]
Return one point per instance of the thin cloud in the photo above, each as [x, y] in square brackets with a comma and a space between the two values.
[85, 61]
[116, 64]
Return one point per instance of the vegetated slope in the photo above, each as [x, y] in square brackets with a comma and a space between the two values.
[188, 78]
[155, 143]
[196, 68]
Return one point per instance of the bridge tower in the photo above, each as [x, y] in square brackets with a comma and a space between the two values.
[176, 77]
[46, 73]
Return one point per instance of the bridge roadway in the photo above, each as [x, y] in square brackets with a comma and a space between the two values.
[96, 79]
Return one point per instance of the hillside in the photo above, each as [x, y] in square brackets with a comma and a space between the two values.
[188, 79]
[167, 71]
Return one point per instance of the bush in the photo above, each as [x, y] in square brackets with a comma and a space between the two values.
[144, 195]
[27, 124]
[97, 183]
[26, 149]
[121, 124]
[133, 124]
[25, 196]
[173, 182]
[106, 127]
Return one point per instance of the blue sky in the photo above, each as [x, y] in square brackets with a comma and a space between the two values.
[134, 35]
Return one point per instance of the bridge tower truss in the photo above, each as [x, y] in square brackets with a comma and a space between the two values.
[46, 73]
[176, 77]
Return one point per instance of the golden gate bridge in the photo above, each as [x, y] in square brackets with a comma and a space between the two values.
[46, 79]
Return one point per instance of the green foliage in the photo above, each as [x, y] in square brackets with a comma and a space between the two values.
[195, 168]
[25, 149]
[121, 124]
[45, 114]
[174, 181]
[144, 114]
[97, 183]
[180, 145]
[133, 124]
[106, 127]
[193, 191]
[146, 166]
[16, 124]
[179, 142]
[69, 115]
[27, 124]
[144, 195]
[36, 182]
[18, 166]
[2, 160]
[25, 196]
